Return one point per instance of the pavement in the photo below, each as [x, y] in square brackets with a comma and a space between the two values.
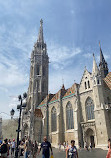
[95, 153]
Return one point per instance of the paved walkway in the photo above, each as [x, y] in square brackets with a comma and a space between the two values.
[95, 153]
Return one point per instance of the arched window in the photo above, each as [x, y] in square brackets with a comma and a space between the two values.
[88, 84]
[69, 116]
[85, 85]
[53, 120]
[89, 109]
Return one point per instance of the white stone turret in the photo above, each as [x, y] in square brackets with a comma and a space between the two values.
[95, 70]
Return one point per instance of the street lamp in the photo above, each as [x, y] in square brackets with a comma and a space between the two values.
[12, 113]
[20, 107]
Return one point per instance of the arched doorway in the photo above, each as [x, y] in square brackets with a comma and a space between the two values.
[90, 137]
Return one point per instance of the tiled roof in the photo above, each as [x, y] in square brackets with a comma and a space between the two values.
[38, 113]
[63, 92]
[47, 98]
[107, 80]
[70, 90]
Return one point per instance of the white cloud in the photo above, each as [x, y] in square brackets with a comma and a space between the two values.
[60, 56]
[88, 55]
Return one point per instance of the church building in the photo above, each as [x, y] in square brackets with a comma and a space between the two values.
[81, 112]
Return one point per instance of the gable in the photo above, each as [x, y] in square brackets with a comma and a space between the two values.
[85, 84]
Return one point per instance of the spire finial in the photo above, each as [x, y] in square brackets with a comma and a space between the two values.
[41, 22]
[40, 35]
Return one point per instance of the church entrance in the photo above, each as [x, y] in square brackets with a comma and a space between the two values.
[90, 137]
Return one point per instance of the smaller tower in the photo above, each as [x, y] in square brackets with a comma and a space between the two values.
[103, 64]
[95, 73]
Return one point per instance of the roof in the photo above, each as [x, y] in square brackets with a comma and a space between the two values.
[62, 92]
[107, 80]
[47, 98]
[70, 90]
[38, 113]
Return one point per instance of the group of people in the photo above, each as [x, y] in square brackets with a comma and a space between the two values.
[28, 149]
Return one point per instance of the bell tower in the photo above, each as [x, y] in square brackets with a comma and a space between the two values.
[38, 85]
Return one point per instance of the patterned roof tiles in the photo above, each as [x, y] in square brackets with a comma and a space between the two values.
[70, 90]
[107, 80]
[47, 98]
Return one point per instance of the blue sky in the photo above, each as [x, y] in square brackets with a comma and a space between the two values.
[72, 31]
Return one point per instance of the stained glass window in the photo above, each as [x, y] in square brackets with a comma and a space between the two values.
[69, 116]
[89, 109]
[54, 119]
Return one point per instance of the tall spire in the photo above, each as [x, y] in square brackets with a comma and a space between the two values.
[103, 64]
[95, 69]
[40, 35]
[101, 55]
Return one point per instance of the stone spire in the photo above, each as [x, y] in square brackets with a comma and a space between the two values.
[103, 64]
[40, 35]
[95, 69]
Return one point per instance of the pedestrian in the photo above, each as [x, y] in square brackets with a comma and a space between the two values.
[67, 144]
[86, 146]
[109, 150]
[45, 146]
[79, 144]
[35, 149]
[59, 147]
[64, 144]
[71, 151]
[26, 149]
[90, 146]
[13, 145]
[4, 149]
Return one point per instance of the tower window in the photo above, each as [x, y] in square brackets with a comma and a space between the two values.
[44, 71]
[85, 85]
[38, 69]
[43, 86]
[38, 85]
[88, 84]
[98, 81]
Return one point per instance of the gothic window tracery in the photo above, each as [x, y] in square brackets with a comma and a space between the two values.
[89, 109]
[69, 116]
[53, 119]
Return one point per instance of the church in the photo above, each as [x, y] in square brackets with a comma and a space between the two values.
[81, 112]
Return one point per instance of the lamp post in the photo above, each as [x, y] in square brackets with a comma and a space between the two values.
[20, 107]
[12, 112]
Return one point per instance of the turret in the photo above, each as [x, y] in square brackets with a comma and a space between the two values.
[103, 65]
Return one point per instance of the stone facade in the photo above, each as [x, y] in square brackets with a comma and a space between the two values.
[81, 112]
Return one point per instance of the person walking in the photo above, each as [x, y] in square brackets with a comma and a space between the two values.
[71, 151]
[26, 149]
[13, 145]
[35, 149]
[4, 149]
[109, 151]
[45, 146]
